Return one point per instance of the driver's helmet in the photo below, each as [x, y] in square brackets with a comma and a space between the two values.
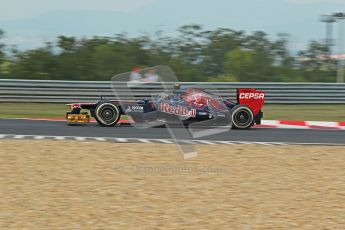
[163, 96]
[200, 99]
[196, 97]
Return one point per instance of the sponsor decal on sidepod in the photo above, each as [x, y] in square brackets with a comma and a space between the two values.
[135, 109]
[177, 110]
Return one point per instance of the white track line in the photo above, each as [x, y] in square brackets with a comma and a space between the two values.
[206, 142]
[185, 142]
[144, 140]
[263, 143]
[225, 142]
[100, 139]
[167, 141]
[121, 140]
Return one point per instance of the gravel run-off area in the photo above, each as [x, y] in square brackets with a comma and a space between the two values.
[98, 185]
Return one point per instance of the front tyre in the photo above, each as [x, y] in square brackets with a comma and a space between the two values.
[242, 117]
[107, 114]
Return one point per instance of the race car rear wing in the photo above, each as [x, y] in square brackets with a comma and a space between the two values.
[252, 98]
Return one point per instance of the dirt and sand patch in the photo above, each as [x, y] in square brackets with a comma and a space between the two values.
[92, 185]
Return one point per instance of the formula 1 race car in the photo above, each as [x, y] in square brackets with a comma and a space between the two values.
[189, 106]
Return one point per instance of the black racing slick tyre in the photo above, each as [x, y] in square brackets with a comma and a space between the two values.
[242, 117]
[107, 114]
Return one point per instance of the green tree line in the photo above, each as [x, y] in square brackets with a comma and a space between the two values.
[195, 54]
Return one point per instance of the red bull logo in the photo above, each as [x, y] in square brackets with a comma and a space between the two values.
[177, 110]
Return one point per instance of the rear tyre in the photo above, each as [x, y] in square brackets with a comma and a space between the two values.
[242, 117]
[107, 114]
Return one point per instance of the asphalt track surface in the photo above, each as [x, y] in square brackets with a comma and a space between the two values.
[59, 128]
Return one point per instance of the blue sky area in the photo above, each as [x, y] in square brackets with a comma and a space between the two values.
[30, 23]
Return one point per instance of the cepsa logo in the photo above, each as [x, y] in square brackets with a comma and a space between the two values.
[252, 96]
[177, 110]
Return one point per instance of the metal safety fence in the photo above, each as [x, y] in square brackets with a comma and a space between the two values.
[83, 91]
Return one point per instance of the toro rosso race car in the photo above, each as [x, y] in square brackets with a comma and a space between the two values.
[189, 106]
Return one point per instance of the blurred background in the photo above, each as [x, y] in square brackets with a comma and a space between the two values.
[226, 41]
